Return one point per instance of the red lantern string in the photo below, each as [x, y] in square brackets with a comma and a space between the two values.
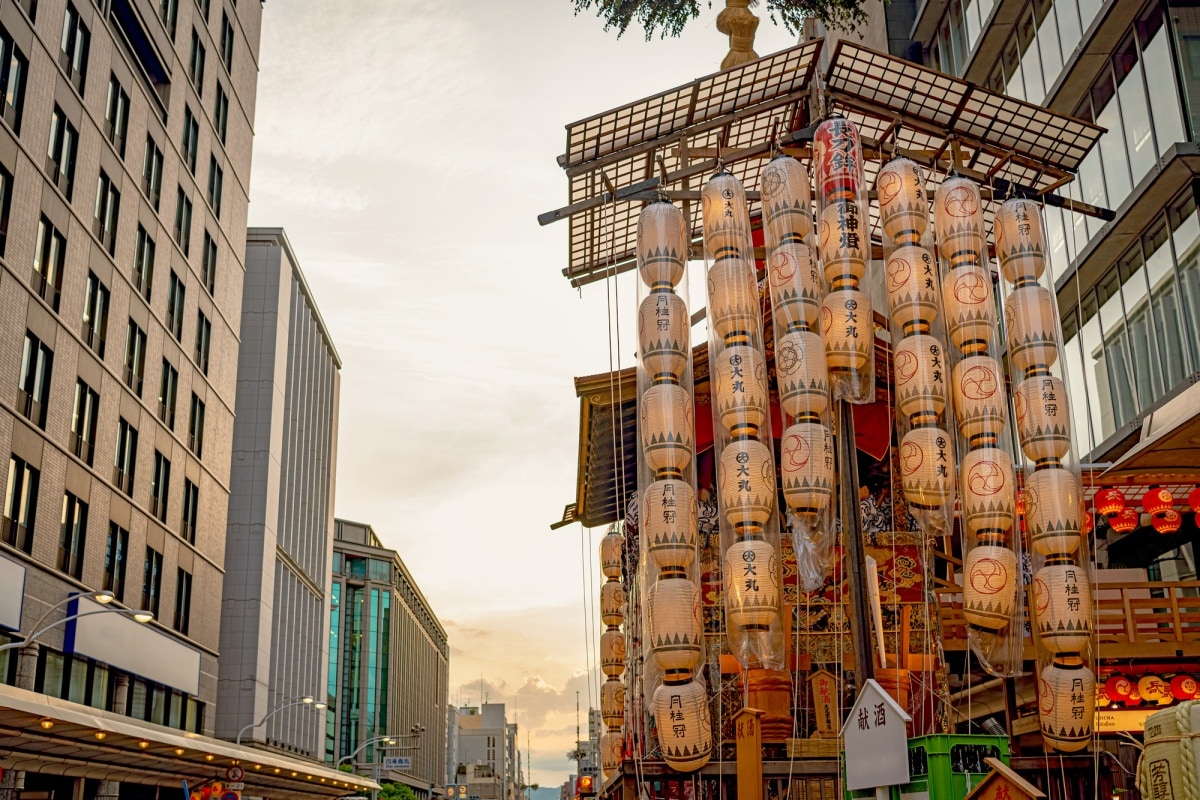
[1168, 521]
[1126, 521]
[1110, 502]
[1157, 500]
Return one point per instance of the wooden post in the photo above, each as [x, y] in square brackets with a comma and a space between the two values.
[748, 735]
[848, 508]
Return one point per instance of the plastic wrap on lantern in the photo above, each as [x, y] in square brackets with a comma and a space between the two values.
[787, 202]
[684, 724]
[610, 553]
[1042, 403]
[611, 747]
[844, 248]
[986, 475]
[669, 639]
[1067, 704]
[746, 479]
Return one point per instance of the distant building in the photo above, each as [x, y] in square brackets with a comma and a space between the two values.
[451, 744]
[388, 662]
[486, 737]
[275, 609]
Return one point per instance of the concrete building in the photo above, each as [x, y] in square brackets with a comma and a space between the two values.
[275, 606]
[388, 669]
[486, 737]
[451, 775]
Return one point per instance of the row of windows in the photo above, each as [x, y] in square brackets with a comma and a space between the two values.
[169, 14]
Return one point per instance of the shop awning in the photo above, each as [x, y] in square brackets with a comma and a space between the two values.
[1169, 444]
[44, 734]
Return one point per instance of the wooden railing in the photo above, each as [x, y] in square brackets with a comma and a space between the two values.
[1145, 619]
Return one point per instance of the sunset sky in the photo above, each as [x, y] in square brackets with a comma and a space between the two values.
[406, 148]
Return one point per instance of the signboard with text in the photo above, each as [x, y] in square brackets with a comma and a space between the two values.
[876, 748]
[398, 763]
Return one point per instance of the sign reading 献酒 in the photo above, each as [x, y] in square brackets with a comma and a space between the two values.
[876, 740]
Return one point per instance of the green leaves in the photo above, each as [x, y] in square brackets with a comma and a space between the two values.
[668, 17]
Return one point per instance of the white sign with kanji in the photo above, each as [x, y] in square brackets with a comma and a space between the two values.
[876, 741]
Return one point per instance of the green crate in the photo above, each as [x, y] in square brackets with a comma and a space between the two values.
[944, 766]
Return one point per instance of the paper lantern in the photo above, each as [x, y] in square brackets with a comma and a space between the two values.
[610, 554]
[979, 405]
[1020, 240]
[1167, 522]
[1157, 500]
[732, 297]
[726, 220]
[1029, 317]
[1194, 500]
[970, 314]
[903, 210]
[920, 369]
[611, 747]
[751, 584]
[1067, 704]
[837, 154]
[747, 484]
[801, 374]
[796, 288]
[848, 328]
[1062, 597]
[926, 461]
[668, 523]
[1153, 689]
[662, 245]
[667, 428]
[990, 581]
[663, 335]
[739, 389]
[1126, 521]
[959, 223]
[912, 288]
[1134, 699]
[612, 652]
[806, 462]
[1089, 522]
[674, 634]
[612, 597]
[1052, 511]
[1043, 419]
[1109, 502]
[1117, 688]
[786, 199]
[1184, 687]
[684, 726]
[842, 243]
[612, 703]
[987, 492]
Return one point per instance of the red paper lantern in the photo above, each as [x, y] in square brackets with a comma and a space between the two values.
[1126, 521]
[1157, 500]
[1110, 502]
[1194, 499]
[1168, 521]
[1089, 524]
[1117, 688]
[1184, 687]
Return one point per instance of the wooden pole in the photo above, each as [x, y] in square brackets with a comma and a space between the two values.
[856, 570]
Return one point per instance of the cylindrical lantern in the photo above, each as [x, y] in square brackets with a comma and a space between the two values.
[610, 554]
[802, 376]
[987, 492]
[668, 523]
[674, 629]
[612, 652]
[926, 460]
[806, 461]
[1052, 511]
[842, 242]
[1168, 521]
[979, 404]
[684, 727]
[726, 225]
[903, 210]
[732, 297]
[1153, 689]
[612, 597]
[1126, 521]
[1063, 599]
[1021, 241]
[970, 314]
[1184, 687]
[1117, 688]
[786, 200]
[752, 584]
[921, 373]
[1110, 502]
[663, 325]
[1157, 500]
[837, 154]
[990, 582]
[611, 746]
[1030, 318]
[667, 429]
[849, 332]
[1066, 704]
[912, 286]
[746, 475]
[739, 389]
[662, 245]
[1043, 420]
[959, 222]
[796, 287]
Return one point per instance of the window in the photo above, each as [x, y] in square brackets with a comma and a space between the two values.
[83, 421]
[191, 510]
[75, 42]
[6, 190]
[34, 388]
[208, 264]
[160, 486]
[61, 152]
[72, 532]
[135, 357]
[108, 212]
[95, 314]
[14, 68]
[115, 553]
[20, 505]
[191, 139]
[116, 115]
[152, 170]
[168, 10]
[196, 427]
[167, 388]
[216, 177]
[203, 340]
[143, 262]
[221, 113]
[226, 42]
[152, 580]
[196, 63]
[126, 460]
[49, 258]
[183, 601]
[175, 296]
[183, 221]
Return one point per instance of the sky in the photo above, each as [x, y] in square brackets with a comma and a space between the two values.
[407, 148]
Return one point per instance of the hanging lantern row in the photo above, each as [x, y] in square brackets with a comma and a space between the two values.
[612, 653]
[1156, 501]
[1134, 690]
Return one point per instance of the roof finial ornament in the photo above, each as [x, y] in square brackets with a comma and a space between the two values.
[739, 24]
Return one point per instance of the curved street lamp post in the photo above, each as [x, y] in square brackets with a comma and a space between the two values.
[306, 700]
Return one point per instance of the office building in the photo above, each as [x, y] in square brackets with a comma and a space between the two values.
[487, 739]
[388, 664]
[275, 608]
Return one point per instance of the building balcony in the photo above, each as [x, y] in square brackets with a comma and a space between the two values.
[93, 339]
[81, 448]
[123, 481]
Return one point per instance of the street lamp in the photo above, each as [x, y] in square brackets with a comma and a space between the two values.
[102, 597]
[307, 700]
